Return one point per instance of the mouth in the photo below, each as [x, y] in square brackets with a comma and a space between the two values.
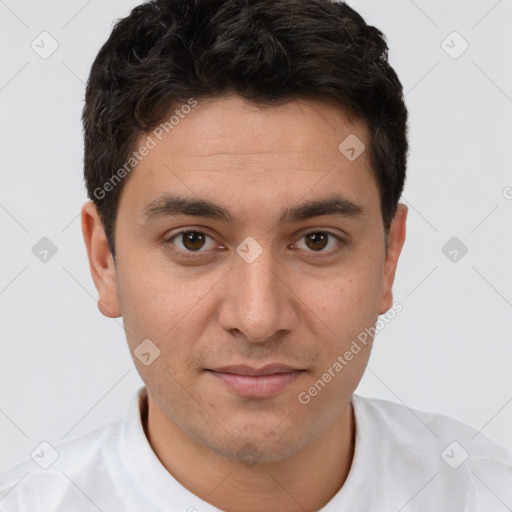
[250, 382]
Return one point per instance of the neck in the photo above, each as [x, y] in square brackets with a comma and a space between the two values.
[303, 482]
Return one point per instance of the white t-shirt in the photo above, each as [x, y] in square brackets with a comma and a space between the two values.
[404, 460]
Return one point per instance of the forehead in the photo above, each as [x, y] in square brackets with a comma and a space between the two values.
[233, 125]
[255, 156]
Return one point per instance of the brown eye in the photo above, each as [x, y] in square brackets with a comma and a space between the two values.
[317, 241]
[191, 241]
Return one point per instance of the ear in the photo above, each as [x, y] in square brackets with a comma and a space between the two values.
[101, 263]
[396, 239]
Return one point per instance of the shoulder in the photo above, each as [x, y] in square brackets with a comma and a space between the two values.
[61, 470]
[447, 459]
[430, 430]
[451, 458]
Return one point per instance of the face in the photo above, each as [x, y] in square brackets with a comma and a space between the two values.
[259, 298]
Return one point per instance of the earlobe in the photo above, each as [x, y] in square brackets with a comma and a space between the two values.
[396, 239]
[101, 263]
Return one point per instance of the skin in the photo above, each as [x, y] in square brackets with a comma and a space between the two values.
[217, 309]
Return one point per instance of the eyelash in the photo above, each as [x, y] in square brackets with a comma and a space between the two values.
[194, 254]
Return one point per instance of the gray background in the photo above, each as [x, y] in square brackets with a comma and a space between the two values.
[66, 370]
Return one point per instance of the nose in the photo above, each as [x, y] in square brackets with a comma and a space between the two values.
[258, 299]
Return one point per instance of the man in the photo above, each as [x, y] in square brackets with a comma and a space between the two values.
[245, 162]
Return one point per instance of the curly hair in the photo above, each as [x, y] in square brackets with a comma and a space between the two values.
[269, 52]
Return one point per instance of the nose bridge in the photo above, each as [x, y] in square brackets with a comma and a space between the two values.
[258, 303]
[259, 278]
[256, 270]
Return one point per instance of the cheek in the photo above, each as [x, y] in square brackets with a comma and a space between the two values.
[348, 301]
[348, 309]
[161, 305]
[172, 305]
[350, 315]
[147, 289]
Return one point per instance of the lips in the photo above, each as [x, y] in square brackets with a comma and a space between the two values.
[269, 369]
[250, 382]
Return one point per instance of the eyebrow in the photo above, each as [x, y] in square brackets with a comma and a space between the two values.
[174, 206]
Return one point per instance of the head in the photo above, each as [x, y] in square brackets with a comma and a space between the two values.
[274, 133]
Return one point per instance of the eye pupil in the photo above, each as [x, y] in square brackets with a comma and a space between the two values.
[317, 237]
[193, 240]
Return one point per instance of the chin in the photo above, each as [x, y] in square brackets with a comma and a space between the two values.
[259, 448]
